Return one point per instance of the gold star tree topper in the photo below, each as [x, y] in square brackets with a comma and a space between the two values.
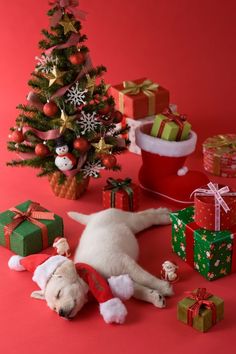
[101, 147]
[68, 25]
[55, 76]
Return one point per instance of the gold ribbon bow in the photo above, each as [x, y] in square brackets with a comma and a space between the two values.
[222, 141]
[147, 87]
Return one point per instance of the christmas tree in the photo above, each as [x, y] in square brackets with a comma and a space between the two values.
[67, 128]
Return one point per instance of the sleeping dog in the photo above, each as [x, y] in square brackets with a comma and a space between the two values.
[109, 245]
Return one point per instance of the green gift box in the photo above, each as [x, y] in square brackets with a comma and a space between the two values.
[211, 253]
[29, 228]
[200, 309]
[170, 126]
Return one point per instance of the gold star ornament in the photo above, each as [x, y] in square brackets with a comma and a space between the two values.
[65, 122]
[55, 76]
[91, 82]
[101, 147]
[68, 25]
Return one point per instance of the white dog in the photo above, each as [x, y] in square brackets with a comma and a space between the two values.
[108, 244]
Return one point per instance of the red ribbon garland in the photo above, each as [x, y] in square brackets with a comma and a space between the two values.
[189, 237]
[33, 213]
[170, 117]
[200, 298]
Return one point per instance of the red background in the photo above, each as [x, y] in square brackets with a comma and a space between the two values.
[188, 47]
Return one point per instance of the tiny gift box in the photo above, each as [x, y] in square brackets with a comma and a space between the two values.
[211, 252]
[170, 126]
[220, 155]
[200, 309]
[29, 228]
[140, 98]
[121, 194]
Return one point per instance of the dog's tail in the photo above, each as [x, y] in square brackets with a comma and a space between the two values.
[81, 218]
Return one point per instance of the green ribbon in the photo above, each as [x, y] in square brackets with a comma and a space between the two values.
[116, 185]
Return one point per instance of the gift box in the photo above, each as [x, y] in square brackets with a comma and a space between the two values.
[133, 124]
[212, 213]
[121, 194]
[200, 309]
[170, 126]
[211, 253]
[29, 228]
[220, 155]
[140, 98]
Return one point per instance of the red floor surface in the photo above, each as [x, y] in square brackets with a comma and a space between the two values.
[188, 47]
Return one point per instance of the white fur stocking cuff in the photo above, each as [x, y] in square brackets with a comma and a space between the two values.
[113, 311]
[121, 286]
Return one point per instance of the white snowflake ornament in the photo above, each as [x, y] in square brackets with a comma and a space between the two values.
[88, 122]
[46, 63]
[91, 169]
[76, 96]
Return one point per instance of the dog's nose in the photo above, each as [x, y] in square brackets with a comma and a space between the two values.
[62, 313]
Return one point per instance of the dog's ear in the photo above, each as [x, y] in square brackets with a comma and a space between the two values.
[38, 294]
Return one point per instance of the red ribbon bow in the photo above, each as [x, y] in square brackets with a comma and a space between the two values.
[33, 213]
[69, 6]
[171, 117]
[200, 297]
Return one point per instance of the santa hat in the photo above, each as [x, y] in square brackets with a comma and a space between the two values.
[108, 295]
[41, 265]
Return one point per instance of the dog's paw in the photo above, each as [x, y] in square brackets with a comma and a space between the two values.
[156, 299]
[166, 288]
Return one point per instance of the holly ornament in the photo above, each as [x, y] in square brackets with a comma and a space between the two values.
[50, 109]
[109, 160]
[81, 144]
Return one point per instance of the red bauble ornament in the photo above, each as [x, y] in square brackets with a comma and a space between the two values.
[50, 109]
[81, 144]
[117, 117]
[17, 136]
[77, 58]
[41, 150]
[105, 109]
[109, 160]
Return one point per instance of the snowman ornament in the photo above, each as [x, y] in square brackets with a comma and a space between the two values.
[64, 161]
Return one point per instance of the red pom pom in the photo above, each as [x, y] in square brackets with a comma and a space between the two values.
[17, 136]
[81, 144]
[117, 117]
[77, 58]
[50, 109]
[109, 160]
[41, 150]
[105, 109]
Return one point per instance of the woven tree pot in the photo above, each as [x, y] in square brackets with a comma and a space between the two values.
[70, 189]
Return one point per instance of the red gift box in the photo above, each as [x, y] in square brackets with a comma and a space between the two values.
[210, 211]
[140, 98]
[121, 194]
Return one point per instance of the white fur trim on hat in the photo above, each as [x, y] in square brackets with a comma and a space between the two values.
[45, 270]
[113, 311]
[163, 147]
[121, 286]
[14, 263]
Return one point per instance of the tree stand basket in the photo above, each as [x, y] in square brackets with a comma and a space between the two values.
[70, 189]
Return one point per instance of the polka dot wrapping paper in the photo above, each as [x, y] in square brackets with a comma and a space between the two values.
[220, 155]
[205, 212]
